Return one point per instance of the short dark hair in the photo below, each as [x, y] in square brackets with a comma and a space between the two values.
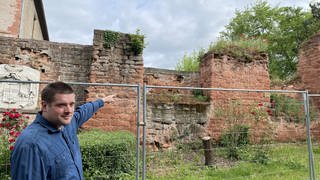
[54, 88]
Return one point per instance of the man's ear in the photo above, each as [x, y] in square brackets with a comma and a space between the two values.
[44, 106]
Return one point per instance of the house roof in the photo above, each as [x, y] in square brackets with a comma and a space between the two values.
[42, 19]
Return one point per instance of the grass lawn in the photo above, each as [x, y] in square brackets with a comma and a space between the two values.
[284, 161]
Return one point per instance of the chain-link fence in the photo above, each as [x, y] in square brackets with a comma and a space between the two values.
[110, 154]
[216, 133]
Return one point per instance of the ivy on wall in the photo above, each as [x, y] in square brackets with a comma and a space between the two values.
[136, 41]
[111, 38]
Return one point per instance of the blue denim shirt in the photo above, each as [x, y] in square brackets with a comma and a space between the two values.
[44, 152]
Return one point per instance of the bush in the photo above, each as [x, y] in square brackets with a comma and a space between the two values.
[234, 139]
[11, 125]
[108, 155]
[137, 42]
[198, 93]
[290, 108]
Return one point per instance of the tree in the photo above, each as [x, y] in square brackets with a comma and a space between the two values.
[315, 8]
[284, 28]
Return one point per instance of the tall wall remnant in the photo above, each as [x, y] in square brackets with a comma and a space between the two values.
[116, 64]
[309, 66]
[223, 71]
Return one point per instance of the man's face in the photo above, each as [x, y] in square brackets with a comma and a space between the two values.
[60, 111]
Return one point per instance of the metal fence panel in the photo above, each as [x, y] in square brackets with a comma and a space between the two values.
[314, 108]
[125, 115]
[253, 134]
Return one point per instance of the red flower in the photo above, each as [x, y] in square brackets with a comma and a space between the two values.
[8, 125]
[4, 119]
[11, 116]
[260, 104]
[17, 115]
[269, 112]
[27, 117]
[17, 134]
[11, 132]
[13, 110]
[11, 148]
[11, 140]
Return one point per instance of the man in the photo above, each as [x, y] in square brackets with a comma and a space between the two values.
[48, 148]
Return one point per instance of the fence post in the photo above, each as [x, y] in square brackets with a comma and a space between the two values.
[207, 150]
[144, 132]
[307, 115]
[138, 134]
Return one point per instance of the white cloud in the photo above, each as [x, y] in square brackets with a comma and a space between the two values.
[172, 27]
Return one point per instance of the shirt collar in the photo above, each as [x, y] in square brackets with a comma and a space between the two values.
[45, 123]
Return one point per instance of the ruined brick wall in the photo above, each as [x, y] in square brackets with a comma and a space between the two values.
[309, 67]
[218, 71]
[173, 114]
[227, 72]
[164, 77]
[309, 72]
[86, 64]
[117, 64]
[55, 61]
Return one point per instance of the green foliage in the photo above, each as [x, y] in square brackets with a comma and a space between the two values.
[260, 112]
[111, 38]
[281, 161]
[198, 93]
[4, 157]
[232, 112]
[315, 9]
[242, 49]
[137, 42]
[188, 146]
[108, 155]
[291, 109]
[11, 125]
[261, 156]
[191, 62]
[235, 138]
[283, 28]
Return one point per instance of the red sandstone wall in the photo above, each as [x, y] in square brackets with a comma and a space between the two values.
[226, 72]
[309, 67]
[309, 72]
[309, 64]
[118, 65]
[163, 77]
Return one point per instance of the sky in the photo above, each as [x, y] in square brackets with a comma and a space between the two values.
[172, 28]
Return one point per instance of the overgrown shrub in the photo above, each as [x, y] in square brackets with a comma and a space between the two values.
[291, 109]
[108, 155]
[261, 155]
[198, 93]
[137, 42]
[241, 49]
[234, 139]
